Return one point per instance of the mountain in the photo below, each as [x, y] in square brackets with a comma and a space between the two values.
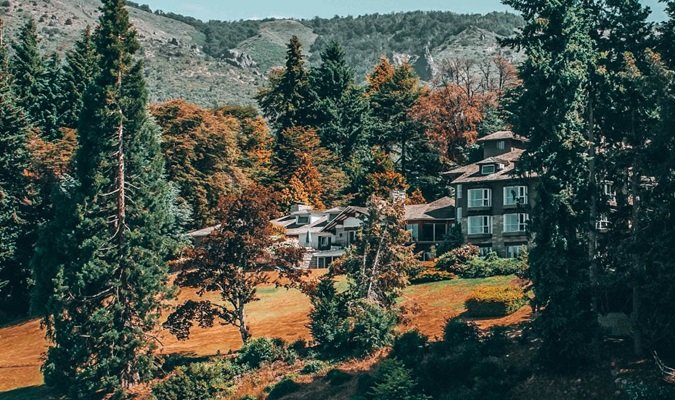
[217, 62]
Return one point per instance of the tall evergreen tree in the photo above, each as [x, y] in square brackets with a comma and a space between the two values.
[47, 116]
[27, 67]
[287, 101]
[552, 111]
[399, 134]
[340, 109]
[78, 73]
[15, 224]
[107, 263]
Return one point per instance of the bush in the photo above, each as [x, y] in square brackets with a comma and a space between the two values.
[394, 382]
[492, 265]
[264, 350]
[495, 301]
[313, 366]
[410, 348]
[459, 331]
[372, 327]
[284, 387]
[196, 382]
[648, 391]
[338, 377]
[328, 318]
[454, 260]
[428, 275]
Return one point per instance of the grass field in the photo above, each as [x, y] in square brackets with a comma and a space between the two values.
[279, 313]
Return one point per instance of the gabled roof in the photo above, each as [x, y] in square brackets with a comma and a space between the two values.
[441, 209]
[471, 173]
[501, 135]
[493, 160]
[350, 211]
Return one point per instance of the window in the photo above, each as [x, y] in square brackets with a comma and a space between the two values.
[324, 242]
[352, 237]
[414, 229]
[484, 251]
[602, 224]
[514, 251]
[487, 169]
[501, 145]
[439, 232]
[515, 222]
[514, 195]
[303, 219]
[608, 190]
[427, 233]
[480, 198]
[480, 225]
[458, 191]
[459, 215]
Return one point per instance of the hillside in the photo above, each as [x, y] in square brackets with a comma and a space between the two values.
[219, 62]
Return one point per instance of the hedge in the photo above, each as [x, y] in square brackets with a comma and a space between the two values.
[495, 301]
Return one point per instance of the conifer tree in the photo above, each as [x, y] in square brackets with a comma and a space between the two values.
[46, 115]
[78, 72]
[340, 109]
[15, 224]
[398, 133]
[27, 68]
[287, 100]
[552, 111]
[104, 255]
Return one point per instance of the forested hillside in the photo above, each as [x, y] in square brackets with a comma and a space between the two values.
[215, 63]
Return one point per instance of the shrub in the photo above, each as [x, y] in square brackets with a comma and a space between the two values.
[454, 260]
[195, 382]
[648, 391]
[492, 265]
[427, 276]
[394, 382]
[410, 348]
[496, 341]
[264, 350]
[372, 327]
[328, 318]
[495, 301]
[459, 331]
[338, 377]
[284, 387]
[313, 366]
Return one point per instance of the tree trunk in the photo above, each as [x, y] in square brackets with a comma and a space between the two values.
[243, 328]
[592, 227]
[121, 170]
[638, 264]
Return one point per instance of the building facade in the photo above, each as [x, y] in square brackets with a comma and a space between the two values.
[493, 202]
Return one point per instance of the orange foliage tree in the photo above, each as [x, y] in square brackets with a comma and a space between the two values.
[305, 186]
[383, 72]
[201, 154]
[451, 117]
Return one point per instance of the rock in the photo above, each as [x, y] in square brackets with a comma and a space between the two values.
[239, 59]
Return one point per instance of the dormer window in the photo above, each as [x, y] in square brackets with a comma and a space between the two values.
[303, 219]
[501, 145]
[488, 169]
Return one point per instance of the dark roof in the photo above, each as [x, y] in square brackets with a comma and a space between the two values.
[501, 135]
[443, 208]
[493, 160]
[351, 211]
[471, 173]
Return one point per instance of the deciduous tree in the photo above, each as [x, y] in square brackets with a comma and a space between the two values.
[240, 255]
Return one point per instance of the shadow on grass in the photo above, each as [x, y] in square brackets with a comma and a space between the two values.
[28, 393]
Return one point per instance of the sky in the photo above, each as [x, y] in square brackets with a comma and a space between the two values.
[256, 9]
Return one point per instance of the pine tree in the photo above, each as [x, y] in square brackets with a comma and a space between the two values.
[287, 101]
[104, 255]
[78, 73]
[15, 224]
[395, 131]
[27, 68]
[382, 73]
[552, 110]
[46, 116]
[340, 108]
[666, 44]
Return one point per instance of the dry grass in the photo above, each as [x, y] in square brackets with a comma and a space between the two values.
[279, 313]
